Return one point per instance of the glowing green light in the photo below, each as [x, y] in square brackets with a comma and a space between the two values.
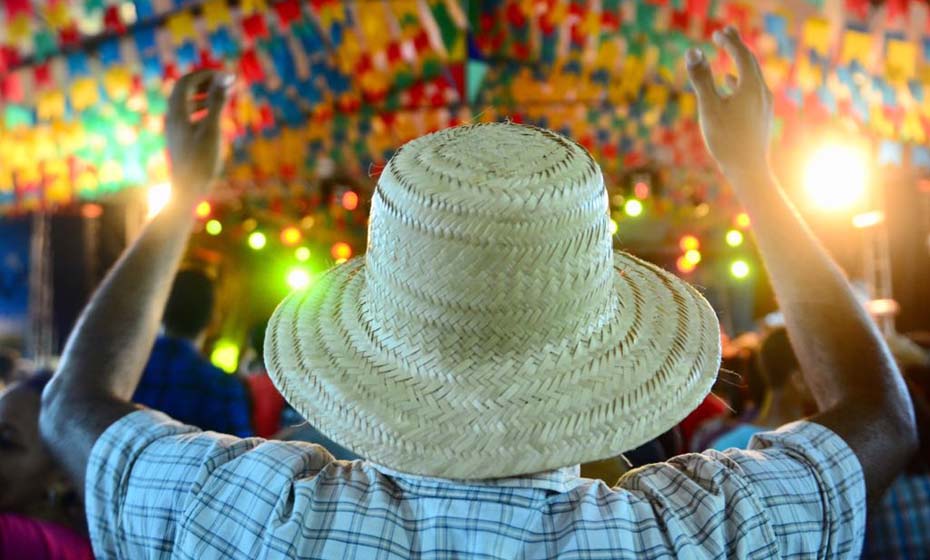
[302, 254]
[225, 356]
[739, 269]
[734, 238]
[214, 227]
[298, 278]
[633, 208]
[613, 226]
[257, 240]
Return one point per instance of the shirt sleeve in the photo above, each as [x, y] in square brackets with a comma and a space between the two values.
[797, 492]
[153, 483]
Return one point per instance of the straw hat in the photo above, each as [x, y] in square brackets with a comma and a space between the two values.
[491, 330]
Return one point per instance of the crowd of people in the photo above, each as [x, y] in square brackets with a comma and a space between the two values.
[400, 408]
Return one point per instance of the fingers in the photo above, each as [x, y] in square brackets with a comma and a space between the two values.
[216, 99]
[746, 63]
[701, 77]
[184, 92]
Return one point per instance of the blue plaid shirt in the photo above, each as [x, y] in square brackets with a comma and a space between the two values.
[158, 489]
[900, 526]
[184, 385]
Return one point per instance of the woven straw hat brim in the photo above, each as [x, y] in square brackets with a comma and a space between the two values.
[607, 390]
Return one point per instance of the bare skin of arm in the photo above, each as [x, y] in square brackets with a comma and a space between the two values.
[109, 347]
[859, 390]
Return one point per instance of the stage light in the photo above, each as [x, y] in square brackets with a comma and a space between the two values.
[257, 240]
[302, 254]
[214, 227]
[291, 236]
[868, 219]
[693, 256]
[633, 208]
[684, 265]
[158, 197]
[203, 210]
[641, 190]
[742, 220]
[739, 268]
[341, 251]
[836, 176]
[613, 226]
[349, 200]
[734, 238]
[91, 211]
[225, 356]
[298, 278]
[689, 243]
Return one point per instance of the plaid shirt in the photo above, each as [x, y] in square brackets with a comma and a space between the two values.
[183, 384]
[900, 526]
[158, 489]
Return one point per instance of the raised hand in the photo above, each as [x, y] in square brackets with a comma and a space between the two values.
[192, 130]
[736, 127]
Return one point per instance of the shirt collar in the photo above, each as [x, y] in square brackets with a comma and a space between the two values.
[558, 480]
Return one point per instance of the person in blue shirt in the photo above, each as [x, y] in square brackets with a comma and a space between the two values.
[178, 380]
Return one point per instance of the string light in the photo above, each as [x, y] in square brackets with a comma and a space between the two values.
[298, 278]
[225, 356]
[291, 236]
[684, 265]
[633, 208]
[613, 227]
[350, 200]
[341, 251]
[739, 269]
[91, 211]
[693, 256]
[734, 238]
[742, 220]
[302, 254]
[257, 240]
[689, 243]
[641, 190]
[214, 227]
[203, 210]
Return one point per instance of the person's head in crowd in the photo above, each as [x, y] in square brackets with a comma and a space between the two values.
[257, 344]
[30, 481]
[785, 392]
[190, 306]
[8, 367]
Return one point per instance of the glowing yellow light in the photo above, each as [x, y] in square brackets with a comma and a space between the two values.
[742, 220]
[734, 238]
[291, 236]
[341, 251]
[225, 356]
[302, 254]
[298, 278]
[257, 240]
[307, 222]
[158, 197]
[868, 219]
[613, 226]
[350, 200]
[739, 268]
[836, 176]
[214, 227]
[693, 256]
[633, 208]
[689, 243]
[203, 209]
[684, 265]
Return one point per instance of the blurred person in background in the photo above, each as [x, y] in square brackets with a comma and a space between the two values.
[8, 367]
[178, 380]
[40, 515]
[267, 402]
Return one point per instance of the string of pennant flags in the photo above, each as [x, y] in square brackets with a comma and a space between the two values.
[340, 84]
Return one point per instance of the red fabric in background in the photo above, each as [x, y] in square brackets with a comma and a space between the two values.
[711, 407]
[267, 405]
[23, 537]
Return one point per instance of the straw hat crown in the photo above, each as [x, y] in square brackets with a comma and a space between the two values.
[491, 330]
[493, 228]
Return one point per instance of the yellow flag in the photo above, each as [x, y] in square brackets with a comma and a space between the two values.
[117, 81]
[50, 105]
[84, 93]
[900, 61]
[856, 46]
[181, 27]
[216, 14]
[816, 35]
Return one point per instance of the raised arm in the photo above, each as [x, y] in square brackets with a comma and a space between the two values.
[859, 390]
[107, 351]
